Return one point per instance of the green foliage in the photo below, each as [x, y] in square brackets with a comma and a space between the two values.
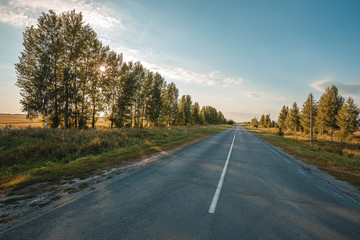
[254, 122]
[305, 115]
[282, 117]
[329, 105]
[293, 118]
[65, 74]
[348, 119]
[195, 114]
[262, 121]
[185, 110]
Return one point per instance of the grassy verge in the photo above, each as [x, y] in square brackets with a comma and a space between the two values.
[41, 155]
[340, 166]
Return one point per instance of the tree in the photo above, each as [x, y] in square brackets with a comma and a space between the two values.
[154, 88]
[220, 118]
[97, 76]
[111, 83]
[294, 118]
[262, 121]
[267, 121]
[329, 105]
[170, 104]
[254, 122]
[195, 114]
[127, 88]
[185, 110]
[305, 115]
[348, 119]
[39, 71]
[282, 117]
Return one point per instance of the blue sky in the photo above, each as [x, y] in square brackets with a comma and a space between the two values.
[243, 57]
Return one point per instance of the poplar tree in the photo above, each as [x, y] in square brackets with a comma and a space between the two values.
[262, 120]
[348, 119]
[305, 115]
[112, 86]
[39, 71]
[154, 85]
[195, 114]
[329, 105]
[294, 118]
[185, 110]
[282, 117]
[267, 121]
[220, 118]
[170, 104]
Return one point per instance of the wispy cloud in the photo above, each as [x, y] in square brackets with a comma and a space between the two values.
[21, 13]
[321, 84]
[352, 89]
[267, 96]
[157, 63]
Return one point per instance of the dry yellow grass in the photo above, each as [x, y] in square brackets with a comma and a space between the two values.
[20, 121]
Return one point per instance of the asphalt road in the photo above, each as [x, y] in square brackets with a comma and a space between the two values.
[264, 195]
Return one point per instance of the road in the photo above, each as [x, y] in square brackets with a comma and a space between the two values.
[264, 195]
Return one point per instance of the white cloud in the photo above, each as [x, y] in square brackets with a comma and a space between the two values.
[228, 82]
[21, 13]
[321, 84]
[267, 96]
[352, 89]
[157, 63]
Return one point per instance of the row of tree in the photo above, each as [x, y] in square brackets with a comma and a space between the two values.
[329, 115]
[66, 74]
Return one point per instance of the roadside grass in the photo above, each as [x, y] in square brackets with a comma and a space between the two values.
[35, 155]
[323, 153]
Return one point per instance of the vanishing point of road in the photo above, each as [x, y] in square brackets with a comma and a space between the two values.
[231, 185]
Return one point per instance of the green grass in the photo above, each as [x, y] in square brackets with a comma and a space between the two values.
[34, 155]
[340, 166]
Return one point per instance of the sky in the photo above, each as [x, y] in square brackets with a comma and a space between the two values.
[245, 58]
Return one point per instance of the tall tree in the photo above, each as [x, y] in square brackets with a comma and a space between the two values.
[185, 110]
[348, 119]
[329, 106]
[305, 115]
[112, 86]
[282, 117]
[267, 121]
[154, 85]
[294, 118]
[97, 76]
[195, 114]
[138, 98]
[262, 121]
[170, 104]
[42, 61]
[73, 29]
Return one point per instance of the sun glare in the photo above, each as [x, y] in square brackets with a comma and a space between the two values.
[102, 68]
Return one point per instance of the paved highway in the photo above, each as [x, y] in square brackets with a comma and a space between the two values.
[231, 185]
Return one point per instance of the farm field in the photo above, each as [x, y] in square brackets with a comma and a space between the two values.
[20, 121]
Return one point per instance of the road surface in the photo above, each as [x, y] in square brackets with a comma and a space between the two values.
[231, 185]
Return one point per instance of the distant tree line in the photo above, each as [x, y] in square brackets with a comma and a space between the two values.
[331, 115]
[66, 74]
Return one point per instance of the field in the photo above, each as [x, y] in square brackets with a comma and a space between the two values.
[340, 160]
[34, 155]
[20, 121]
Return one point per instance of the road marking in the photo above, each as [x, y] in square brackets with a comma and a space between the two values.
[219, 186]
